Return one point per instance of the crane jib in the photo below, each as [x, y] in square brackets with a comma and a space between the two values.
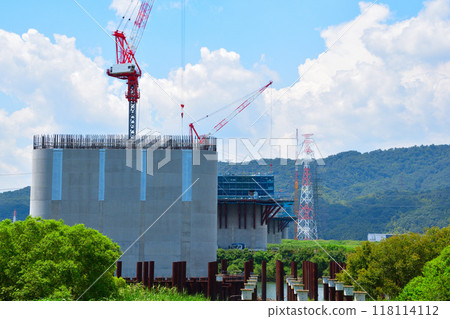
[227, 119]
[238, 110]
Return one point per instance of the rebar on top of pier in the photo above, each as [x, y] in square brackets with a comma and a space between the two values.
[76, 141]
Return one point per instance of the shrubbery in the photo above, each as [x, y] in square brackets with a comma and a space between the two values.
[137, 292]
[384, 269]
[47, 259]
[289, 250]
[434, 285]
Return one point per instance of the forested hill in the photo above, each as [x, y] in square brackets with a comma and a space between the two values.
[351, 174]
[396, 190]
[18, 200]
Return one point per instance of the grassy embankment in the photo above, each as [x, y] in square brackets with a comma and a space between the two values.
[137, 292]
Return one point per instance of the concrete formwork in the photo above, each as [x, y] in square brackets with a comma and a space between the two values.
[274, 235]
[248, 213]
[253, 222]
[103, 189]
[249, 230]
[277, 229]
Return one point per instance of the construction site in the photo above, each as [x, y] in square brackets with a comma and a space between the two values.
[99, 182]
[293, 151]
[159, 196]
[248, 214]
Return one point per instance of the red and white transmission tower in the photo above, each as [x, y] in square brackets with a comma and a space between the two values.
[306, 222]
[127, 67]
[296, 180]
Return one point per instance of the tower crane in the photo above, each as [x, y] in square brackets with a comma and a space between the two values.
[227, 119]
[127, 67]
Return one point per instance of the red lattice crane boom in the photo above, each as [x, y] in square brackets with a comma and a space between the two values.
[227, 119]
[127, 67]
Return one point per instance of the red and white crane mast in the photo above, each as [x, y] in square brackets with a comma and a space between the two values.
[126, 67]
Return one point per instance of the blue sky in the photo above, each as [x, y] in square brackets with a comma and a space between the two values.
[286, 32]
[373, 75]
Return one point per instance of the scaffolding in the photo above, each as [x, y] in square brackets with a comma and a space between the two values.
[246, 186]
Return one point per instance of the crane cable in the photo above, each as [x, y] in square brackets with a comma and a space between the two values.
[132, 13]
[93, 19]
[125, 15]
[227, 105]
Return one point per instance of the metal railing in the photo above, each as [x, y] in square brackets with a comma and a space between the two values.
[73, 141]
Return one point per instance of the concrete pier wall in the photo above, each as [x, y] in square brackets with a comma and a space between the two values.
[230, 232]
[125, 199]
[274, 236]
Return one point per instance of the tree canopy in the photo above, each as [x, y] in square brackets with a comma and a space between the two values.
[434, 285]
[45, 259]
[287, 251]
[384, 269]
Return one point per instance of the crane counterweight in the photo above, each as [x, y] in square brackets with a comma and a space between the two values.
[122, 69]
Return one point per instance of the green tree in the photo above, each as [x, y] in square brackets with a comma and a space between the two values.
[434, 285]
[44, 258]
[287, 251]
[383, 269]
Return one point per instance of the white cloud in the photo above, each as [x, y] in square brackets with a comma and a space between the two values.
[216, 80]
[124, 6]
[425, 38]
[124, 9]
[55, 80]
[380, 85]
[58, 89]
